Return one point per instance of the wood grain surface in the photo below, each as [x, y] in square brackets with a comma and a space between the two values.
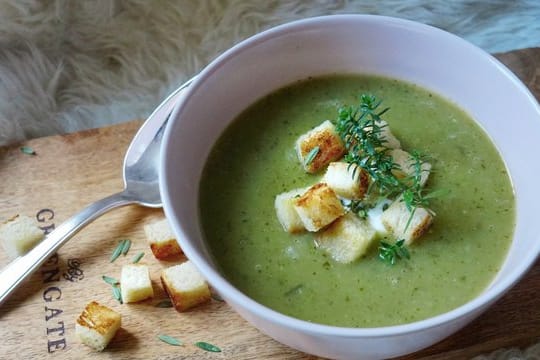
[71, 171]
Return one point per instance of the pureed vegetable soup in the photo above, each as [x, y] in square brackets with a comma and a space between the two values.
[255, 159]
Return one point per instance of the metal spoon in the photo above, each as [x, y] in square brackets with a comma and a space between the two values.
[140, 187]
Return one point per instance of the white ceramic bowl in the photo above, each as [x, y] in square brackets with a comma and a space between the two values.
[396, 48]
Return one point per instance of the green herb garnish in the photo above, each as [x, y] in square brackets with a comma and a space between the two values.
[125, 247]
[362, 131]
[117, 294]
[294, 290]
[164, 304]
[359, 207]
[208, 347]
[389, 253]
[117, 251]
[137, 258]
[311, 155]
[217, 297]
[170, 340]
[27, 150]
[109, 280]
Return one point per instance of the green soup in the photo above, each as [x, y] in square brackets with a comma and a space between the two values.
[254, 160]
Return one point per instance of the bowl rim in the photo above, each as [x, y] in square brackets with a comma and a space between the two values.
[486, 297]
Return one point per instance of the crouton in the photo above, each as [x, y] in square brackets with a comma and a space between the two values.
[286, 213]
[162, 240]
[318, 207]
[135, 284]
[397, 216]
[185, 286]
[388, 139]
[406, 165]
[346, 239]
[19, 235]
[97, 325]
[319, 146]
[339, 177]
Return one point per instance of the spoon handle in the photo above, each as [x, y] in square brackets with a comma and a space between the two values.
[19, 269]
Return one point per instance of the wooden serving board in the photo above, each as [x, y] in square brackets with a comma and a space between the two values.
[71, 171]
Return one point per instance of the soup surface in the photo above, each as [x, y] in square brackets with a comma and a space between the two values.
[254, 160]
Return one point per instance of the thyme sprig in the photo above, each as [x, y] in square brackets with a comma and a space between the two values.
[389, 253]
[362, 131]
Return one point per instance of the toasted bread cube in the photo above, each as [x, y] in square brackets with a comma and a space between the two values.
[396, 217]
[406, 165]
[346, 239]
[329, 144]
[286, 213]
[339, 176]
[388, 139]
[19, 235]
[318, 207]
[185, 286]
[135, 284]
[97, 325]
[162, 240]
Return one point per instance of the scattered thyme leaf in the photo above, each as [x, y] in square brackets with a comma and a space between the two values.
[117, 251]
[125, 246]
[207, 347]
[311, 155]
[28, 150]
[164, 304]
[137, 258]
[294, 290]
[217, 297]
[359, 207]
[117, 294]
[390, 253]
[170, 340]
[109, 280]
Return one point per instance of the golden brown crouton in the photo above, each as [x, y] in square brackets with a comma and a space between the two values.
[320, 146]
[185, 286]
[162, 240]
[397, 216]
[286, 213]
[339, 176]
[318, 207]
[346, 239]
[97, 325]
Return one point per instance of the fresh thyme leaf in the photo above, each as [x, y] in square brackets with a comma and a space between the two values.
[359, 207]
[170, 340]
[390, 253]
[217, 297]
[206, 346]
[117, 251]
[109, 280]
[294, 290]
[125, 247]
[164, 304]
[117, 294]
[311, 155]
[27, 150]
[137, 257]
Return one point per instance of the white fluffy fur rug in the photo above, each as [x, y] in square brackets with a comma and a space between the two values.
[67, 65]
